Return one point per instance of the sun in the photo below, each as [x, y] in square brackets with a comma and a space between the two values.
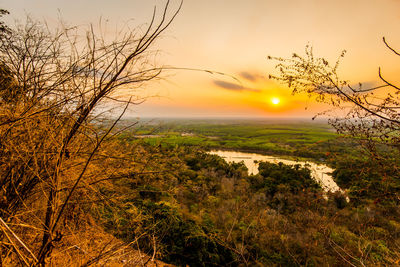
[275, 100]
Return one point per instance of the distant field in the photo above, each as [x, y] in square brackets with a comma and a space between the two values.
[291, 138]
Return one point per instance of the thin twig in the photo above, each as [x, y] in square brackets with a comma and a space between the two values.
[18, 239]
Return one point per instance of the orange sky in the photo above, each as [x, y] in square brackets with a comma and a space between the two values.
[235, 37]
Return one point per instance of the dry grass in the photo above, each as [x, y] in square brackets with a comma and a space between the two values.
[84, 243]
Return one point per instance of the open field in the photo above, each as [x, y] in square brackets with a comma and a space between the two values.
[291, 138]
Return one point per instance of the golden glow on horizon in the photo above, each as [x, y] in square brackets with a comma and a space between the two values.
[241, 24]
[275, 101]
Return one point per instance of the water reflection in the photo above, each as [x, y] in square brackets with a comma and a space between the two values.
[320, 172]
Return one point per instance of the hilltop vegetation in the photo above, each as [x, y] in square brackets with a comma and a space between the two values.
[78, 189]
[197, 209]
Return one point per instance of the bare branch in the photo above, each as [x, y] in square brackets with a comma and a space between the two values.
[388, 46]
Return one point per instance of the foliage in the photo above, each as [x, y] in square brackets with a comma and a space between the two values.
[295, 177]
[65, 174]
[278, 217]
[54, 84]
[376, 180]
[371, 113]
[182, 240]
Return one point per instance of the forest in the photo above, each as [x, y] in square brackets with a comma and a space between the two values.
[80, 187]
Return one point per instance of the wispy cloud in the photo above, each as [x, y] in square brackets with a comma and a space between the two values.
[251, 76]
[364, 85]
[234, 86]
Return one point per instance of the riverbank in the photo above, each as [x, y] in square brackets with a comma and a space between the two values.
[320, 172]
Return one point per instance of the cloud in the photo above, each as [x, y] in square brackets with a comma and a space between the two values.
[250, 76]
[233, 86]
[364, 85]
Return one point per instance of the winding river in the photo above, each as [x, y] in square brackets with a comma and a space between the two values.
[320, 172]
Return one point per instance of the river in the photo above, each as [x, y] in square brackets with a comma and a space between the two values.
[320, 172]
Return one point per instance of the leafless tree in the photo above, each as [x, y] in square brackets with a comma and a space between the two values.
[53, 85]
[370, 113]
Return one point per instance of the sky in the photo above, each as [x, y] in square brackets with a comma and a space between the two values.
[236, 37]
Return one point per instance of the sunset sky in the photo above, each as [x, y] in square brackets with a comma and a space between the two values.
[235, 37]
